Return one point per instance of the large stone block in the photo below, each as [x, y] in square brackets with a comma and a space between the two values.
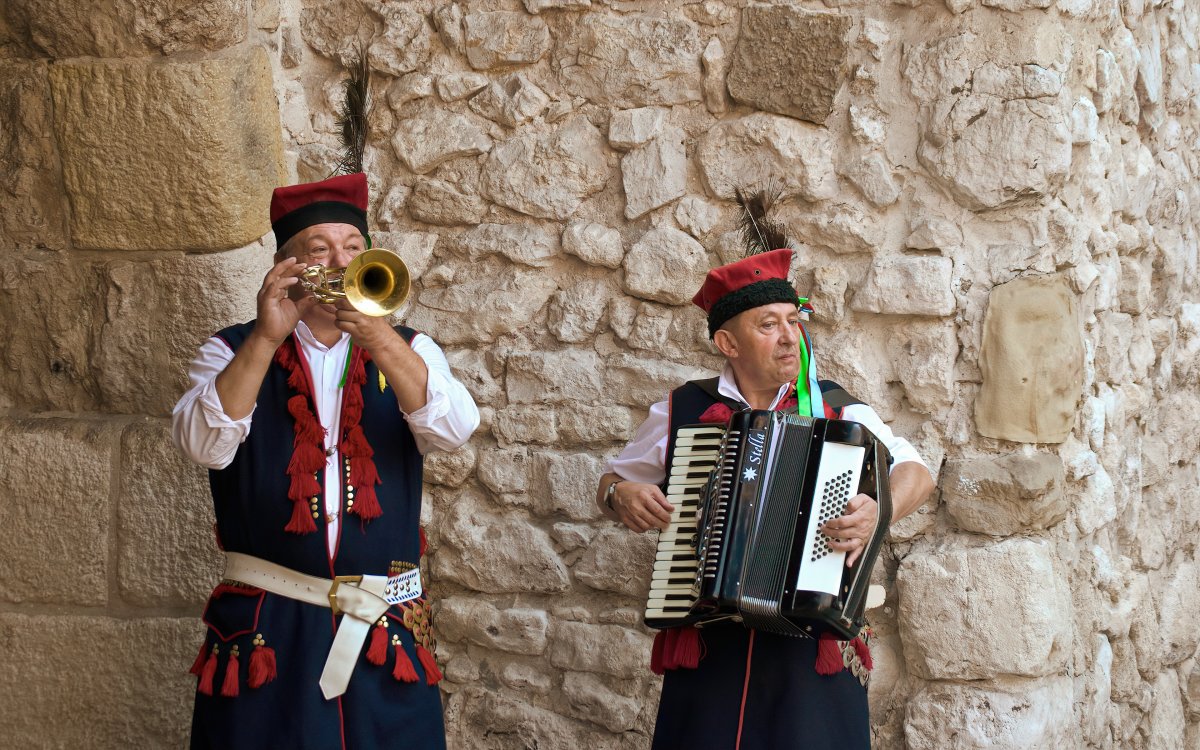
[740, 153]
[654, 174]
[592, 699]
[633, 60]
[168, 155]
[565, 485]
[520, 243]
[31, 182]
[96, 682]
[497, 38]
[518, 631]
[491, 301]
[907, 286]
[978, 613]
[56, 479]
[1031, 360]
[1010, 716]
[640, 381]
[923, 354]
[607, 649]
[487, 718]
[618, 560]
[789, 61]
[567, 375]
[167, 555]
[434, 137]
[1005, 495]
[665, 265]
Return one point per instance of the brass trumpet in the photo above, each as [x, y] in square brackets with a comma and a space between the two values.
[376, 282]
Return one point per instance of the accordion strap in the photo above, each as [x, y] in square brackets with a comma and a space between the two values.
[834, 396]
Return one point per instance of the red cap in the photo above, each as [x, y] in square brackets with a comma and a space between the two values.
[742, 273]
[336, 200]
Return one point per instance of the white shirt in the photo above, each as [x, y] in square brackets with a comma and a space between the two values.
[645, 458]
[206, 435]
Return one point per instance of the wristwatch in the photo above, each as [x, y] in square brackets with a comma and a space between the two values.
[608, 494]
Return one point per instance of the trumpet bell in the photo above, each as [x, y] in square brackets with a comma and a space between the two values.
[376, 282]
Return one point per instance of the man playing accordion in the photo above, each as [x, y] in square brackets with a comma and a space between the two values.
[726, 685]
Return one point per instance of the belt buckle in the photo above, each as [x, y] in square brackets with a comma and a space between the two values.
[337, 581]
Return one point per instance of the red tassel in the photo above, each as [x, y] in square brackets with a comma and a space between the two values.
[717, 413]
[302, 520]
[366, 504]
[303, 486]
[229, 688]
[208, 673]
[829, 656]
[424, 542]
[262, 666]
[864, 653]
[198, 665]
[306, 459]
[433, 675]
[687, 648]
[377, 653]
[404, 670]
[656, 652]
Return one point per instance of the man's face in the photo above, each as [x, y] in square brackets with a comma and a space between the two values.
[762, 345]
[330, 245]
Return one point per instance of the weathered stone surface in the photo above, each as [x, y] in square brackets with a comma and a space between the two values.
[633, 60]
[630, 128]
[496, 38]
[409, 88]
[575, 314]
[593, 700]
[526, 424]
[505, 471]
[450, 468]
[923, 357]
[496, 553]
[435, 201]
[581, 424]
[1005, 495]
[738, 153]
[618, 560]
[405, 41]
[872, 175]
[455, 86]
[487, 719]
[1012, 716]
[696, 216]
[1005, 608]
[120, 166]
[716, 66]
[520, 243]
[337, 29]
[1032, 360]
[641, 381]
[566, 485]
[31, 182]
[437, 136]
[168, 553]
[567, 375]
[547, 176]
[665, 265]
[40, 686]
[510, 101]
[934, 233]
[789, 61]
[843, 228]
[594, 243]
[57, 477]
[606, 649]
[487, 305]
[517, 631]
[537, 6]
[654, 174]
[907, 286]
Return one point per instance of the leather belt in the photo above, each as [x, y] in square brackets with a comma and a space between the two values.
[359, 598]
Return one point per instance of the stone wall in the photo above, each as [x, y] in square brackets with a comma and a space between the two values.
[994, 208]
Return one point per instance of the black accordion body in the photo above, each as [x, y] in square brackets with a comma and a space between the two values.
[745, 541]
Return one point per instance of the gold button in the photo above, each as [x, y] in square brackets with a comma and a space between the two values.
[316, 514]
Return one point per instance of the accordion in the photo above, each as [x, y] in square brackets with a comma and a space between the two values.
[745, 542]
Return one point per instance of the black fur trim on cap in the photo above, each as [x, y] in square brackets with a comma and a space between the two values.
[320, 212]
[748, 297]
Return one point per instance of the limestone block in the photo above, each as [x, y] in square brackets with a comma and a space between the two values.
[868, 124]
[993, 154]
[495, 553]
[547, 175]
[448, 20]
[450, 468]
[843, 228]
[641, 381]
[630, 128]
[56, 475]
[716, 67]
[526, 424]
[408, 88]
[828, 293]
[632, 60]
[651, 327]
[654, 174]
[425, 141]
[506, 470]
[1084, 122]
[121, 167]
[619, 561]
[126, 28]
[1178, 597]
[1135, 288]
[907, 286]
[738, 153]
[1003, 496]
[590, 698]
[594, 244]
[537, 6]
[517, 631]
[117, 701]
[405, 42]
[443, 203]
[873, 177]
[789, 61]
[520, 243]
[573, 536]
[606, 649]
[1166, 722]
[497, 38]
[923, 356]
[452, 87]
[575, 314]
[510, 101]
[493, 719]
[581, 424]
[1009, 716]
[696, 216]
[31, 184]
[1032, 362]
[565, 485]
[934, 233]
[552, 376]
[337, 28]
[168, 553]
[526, 678]
[976, 613]
[478, 309]
[665, 265]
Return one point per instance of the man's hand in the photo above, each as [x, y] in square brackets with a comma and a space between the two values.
[371, 332]
[850, 532]
[278, 312]
[639, 506]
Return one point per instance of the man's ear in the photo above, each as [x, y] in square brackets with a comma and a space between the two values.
[726, 342]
